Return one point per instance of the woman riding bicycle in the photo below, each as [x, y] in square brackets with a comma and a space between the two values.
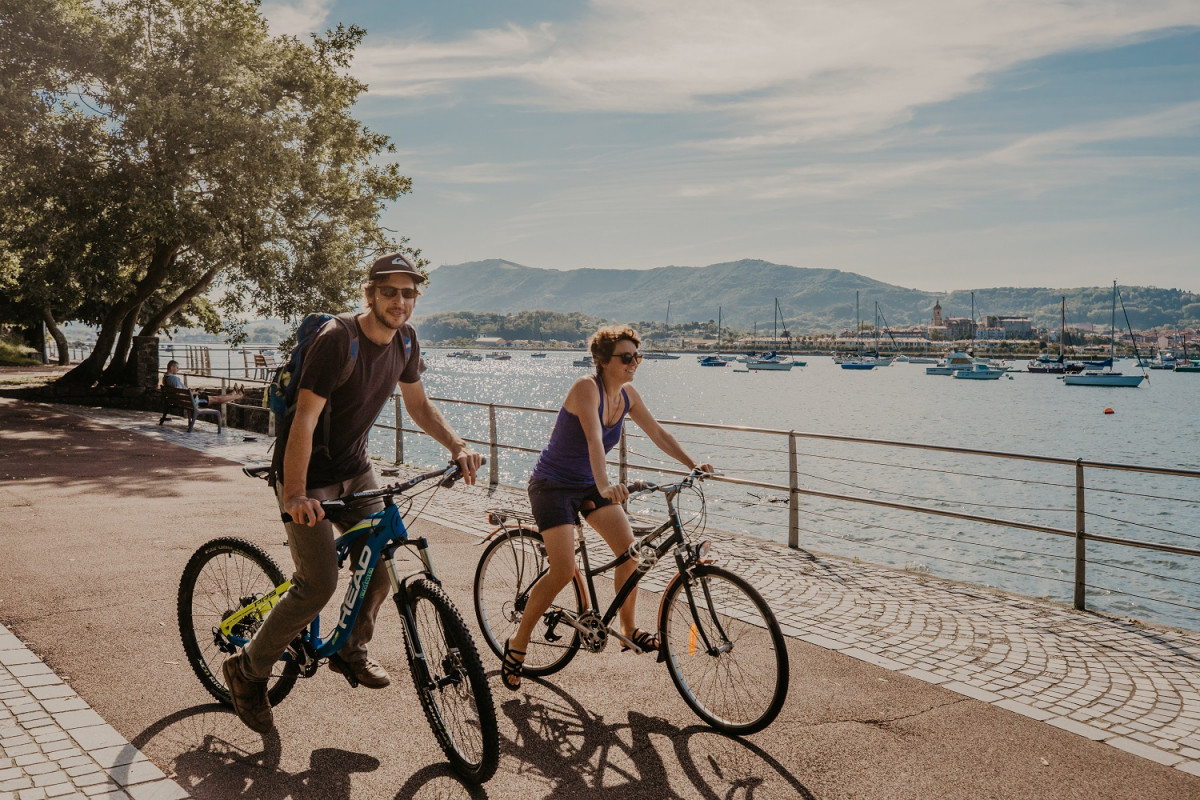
[570, 479]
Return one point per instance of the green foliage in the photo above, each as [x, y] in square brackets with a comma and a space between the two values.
[158, 150]
[15, 353]
[465, 326]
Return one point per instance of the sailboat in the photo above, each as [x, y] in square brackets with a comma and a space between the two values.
[714, 359]
[662, 355]
[1045, 365]
[772, 360]
[858, 361]
[1107, 376]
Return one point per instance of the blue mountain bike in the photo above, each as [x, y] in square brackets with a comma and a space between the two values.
[229, 585]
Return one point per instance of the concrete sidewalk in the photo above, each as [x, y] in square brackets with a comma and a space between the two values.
[1135, 688]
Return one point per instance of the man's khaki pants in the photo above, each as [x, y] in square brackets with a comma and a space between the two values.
[314, 582]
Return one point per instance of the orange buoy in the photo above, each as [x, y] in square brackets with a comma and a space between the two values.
[1109, 411]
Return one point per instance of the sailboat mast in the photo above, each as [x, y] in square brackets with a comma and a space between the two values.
[1062, 331]
[718, 329]
[1112, 329]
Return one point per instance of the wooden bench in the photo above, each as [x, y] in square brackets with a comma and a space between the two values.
[265, 365]
[183, 403]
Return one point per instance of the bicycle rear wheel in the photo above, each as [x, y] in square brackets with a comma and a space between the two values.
[509, 567]
[220, 578]
[451, 683]
[724, 650]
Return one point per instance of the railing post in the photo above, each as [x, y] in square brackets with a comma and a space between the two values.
[793, 495]
[1080, 540]
[622, 460]
[493, 450]
[399, 429]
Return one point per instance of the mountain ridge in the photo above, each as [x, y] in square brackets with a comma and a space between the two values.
[811, 299]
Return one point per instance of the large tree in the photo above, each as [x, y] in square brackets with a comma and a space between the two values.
[191, 167]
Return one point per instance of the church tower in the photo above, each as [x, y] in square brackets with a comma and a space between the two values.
[937, 314]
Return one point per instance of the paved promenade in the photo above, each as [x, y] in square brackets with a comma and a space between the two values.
[1132, 687]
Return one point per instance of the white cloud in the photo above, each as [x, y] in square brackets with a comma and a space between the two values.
[295, 17]
[786, 71]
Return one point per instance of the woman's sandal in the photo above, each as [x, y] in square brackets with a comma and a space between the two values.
[646, 642]
[510, 668]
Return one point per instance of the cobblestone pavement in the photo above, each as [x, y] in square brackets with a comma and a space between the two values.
[1135, 687]
[52, 745]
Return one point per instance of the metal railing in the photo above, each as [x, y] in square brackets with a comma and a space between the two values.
[803, 493]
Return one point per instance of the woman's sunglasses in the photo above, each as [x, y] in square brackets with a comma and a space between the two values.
[390, 292]
[629, 358]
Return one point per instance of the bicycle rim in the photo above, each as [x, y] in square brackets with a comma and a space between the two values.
[220, 578]
[726, 654]
[508, 569]
[455, 693]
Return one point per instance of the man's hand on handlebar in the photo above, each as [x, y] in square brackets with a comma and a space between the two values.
[469, 462]
[304, 510]
[707, 469]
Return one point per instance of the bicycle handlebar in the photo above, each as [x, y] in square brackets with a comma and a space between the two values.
[639, 488]
[448, 477]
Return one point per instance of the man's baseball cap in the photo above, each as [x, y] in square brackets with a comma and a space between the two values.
[393, 264]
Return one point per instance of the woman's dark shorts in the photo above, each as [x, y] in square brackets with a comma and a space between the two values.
[557, 504]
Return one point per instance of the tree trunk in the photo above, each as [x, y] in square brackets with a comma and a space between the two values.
[118, 369]
[60, 339]
[186, 296]
[90, 370]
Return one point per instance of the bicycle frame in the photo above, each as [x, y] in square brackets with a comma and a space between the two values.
[676, 538]
[384, 532]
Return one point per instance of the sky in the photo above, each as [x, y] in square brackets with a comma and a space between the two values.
[933, 144]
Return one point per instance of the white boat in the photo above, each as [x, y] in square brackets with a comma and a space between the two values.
[472, 357]
[955, 360]
[980, 372]
[660, 355]
[537, 355]
[1107, 376]
[764, 364]
[498, 356]
[857, 361]
[921, 360]
[586, 361]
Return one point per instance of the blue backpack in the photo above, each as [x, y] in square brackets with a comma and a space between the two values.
[280, 396]
[281, 393]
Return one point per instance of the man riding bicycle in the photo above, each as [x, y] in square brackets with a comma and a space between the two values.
[326, 458]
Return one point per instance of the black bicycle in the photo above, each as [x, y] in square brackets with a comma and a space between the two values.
[229, 585]
[719, 638]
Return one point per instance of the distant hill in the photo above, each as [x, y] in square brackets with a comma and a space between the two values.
[812, 300]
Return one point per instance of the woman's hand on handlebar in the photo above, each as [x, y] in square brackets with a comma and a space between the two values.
[617, 493]
[304, 510]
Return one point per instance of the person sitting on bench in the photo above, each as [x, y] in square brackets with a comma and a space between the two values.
[172, 378]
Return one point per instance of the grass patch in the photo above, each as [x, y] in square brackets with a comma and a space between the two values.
[18, 355]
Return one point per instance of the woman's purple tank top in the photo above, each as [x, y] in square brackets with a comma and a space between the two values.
[565, 459]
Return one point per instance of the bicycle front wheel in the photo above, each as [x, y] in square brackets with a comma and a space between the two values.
[220, 578]
[451, 683]
[509, 567]
[724, 650]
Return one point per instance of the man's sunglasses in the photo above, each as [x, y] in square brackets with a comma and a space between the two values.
[390, 292]
[629, 358]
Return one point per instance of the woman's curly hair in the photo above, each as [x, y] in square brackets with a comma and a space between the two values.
[605, 340]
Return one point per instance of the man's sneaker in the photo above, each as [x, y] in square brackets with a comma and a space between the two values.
[366, 672]
[249, 696]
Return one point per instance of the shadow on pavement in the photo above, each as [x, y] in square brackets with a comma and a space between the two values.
[43, 445]
[219, 758]
[578, 754]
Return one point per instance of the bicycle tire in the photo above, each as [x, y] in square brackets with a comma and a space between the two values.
[456, 698]
[506, 571]
[740, 689]
[219, 578]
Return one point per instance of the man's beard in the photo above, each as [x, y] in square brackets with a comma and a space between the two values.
[386, 321]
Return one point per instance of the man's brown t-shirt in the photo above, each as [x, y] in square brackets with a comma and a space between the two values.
[354, 405]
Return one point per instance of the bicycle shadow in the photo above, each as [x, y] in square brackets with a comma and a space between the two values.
[217, 757]
[579, 754]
